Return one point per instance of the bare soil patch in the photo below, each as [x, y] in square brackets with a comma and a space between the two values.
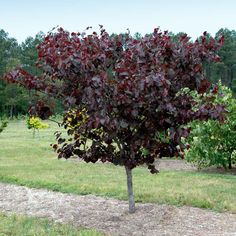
[173, 164]
[178, 164]
[181, 164]
[111, 217]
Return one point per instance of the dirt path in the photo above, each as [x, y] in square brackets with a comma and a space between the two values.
[110, 215]
[173, 164]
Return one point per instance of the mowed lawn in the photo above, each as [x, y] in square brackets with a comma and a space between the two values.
[29, 161]
[21, 225]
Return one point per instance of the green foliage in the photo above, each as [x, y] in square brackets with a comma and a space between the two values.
[224, 70]
[3, 125]
[14, 100]
[36, 123]
[211, 142]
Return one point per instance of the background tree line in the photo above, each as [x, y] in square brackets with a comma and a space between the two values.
[15, 100]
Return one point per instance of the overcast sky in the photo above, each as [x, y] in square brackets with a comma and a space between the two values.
[22, 18]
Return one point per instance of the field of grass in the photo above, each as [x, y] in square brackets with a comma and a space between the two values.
[30, 226]
[31, 162]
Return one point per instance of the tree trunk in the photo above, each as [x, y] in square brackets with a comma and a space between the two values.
[11, 112]
[231, 77]
[230, 162]
[130, 190]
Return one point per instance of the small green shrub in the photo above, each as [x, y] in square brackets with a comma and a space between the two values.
[3, 125]
[213, 143]
[36, 123]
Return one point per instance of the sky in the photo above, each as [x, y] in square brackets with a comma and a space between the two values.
[23, 18]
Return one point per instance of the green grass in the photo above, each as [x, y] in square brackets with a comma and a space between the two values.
[31, 162]
[31, 226]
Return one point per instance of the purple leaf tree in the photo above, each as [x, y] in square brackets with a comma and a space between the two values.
[123, 97]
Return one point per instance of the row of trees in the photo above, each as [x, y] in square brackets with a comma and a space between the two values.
[15, 100]
[226, 69]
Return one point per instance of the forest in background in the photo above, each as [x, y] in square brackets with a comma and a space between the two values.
[15, 100]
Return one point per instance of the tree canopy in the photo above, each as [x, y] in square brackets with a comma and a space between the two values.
[25, 54]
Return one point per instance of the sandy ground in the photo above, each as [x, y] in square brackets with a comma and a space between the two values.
[111, 217]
